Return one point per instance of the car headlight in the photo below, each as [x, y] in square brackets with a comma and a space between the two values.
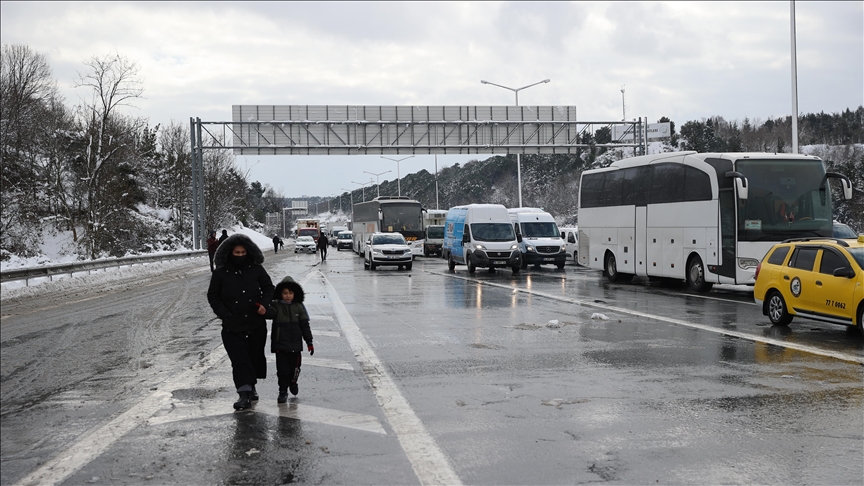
[479, 247]
[514, 246]
[529, 248]
[376, 252]
[563, 247]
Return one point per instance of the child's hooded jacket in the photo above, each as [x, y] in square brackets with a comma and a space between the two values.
[290, 321]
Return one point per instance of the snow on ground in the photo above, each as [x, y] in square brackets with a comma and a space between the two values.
[96, 280]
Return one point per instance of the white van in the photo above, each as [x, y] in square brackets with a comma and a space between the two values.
[571, 239]
[480, 235]
[540, 241]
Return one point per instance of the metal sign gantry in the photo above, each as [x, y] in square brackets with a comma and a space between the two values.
[383, 130]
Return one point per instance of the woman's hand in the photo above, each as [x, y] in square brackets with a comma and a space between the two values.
[261, 310]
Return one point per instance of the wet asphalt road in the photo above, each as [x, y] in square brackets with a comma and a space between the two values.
[432, 376]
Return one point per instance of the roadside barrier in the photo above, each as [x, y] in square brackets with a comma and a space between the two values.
[69, 268]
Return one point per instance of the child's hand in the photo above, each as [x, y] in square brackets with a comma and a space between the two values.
[311, 349]
[261, 310]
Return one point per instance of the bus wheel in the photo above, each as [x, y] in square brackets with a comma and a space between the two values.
[777, 309]
[450, 263]
[611, 268]
[696, 275]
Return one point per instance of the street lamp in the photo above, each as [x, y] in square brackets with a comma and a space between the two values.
[363, 185]
[351, 195]
[623, 106]
[518, 158]
[377, 186]
[398, 183]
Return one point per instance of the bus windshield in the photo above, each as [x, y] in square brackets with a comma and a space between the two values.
[492, 232]
[787, 198]
[401, 217]
[540, 230]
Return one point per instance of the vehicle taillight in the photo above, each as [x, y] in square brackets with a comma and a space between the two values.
[758, 267]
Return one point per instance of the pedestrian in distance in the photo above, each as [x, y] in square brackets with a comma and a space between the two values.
[281, 244]
[322, 246]
[212, 245]
[276, 241]
[240, 293]
[290, 329]
[224, 236]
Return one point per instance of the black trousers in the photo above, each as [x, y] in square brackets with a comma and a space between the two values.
[246, 351]
[323, 251]
[212, 268]
[287, 368]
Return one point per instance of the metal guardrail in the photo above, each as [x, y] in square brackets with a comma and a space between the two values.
[70, 268]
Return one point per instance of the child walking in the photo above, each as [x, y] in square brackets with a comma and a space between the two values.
[290, 329]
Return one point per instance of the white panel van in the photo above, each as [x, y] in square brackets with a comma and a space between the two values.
[539, 239]
[480, 235]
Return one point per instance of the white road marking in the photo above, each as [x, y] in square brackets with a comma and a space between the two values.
[327, 333]
[323, 362]
[724, 332]
[429, 463]
[297, 411]
[92, 445]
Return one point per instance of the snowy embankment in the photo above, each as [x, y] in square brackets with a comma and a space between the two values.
[102, 280]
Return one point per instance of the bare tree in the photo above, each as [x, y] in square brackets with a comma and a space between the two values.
[175, 149]
[113, 82]
[26, 88]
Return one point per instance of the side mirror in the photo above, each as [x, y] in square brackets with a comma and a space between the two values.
[740, 183]
[844, 181]
[466, 238]
[518, 237]
[844, 272]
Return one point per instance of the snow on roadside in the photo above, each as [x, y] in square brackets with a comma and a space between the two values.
[106, 278]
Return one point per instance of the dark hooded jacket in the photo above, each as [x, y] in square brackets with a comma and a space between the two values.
[290, 321]
[236, 287]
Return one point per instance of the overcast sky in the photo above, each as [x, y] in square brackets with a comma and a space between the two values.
[683, 60]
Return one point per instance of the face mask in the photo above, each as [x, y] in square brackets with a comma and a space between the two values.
[238, 261]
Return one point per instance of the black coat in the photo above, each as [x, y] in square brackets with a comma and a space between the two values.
[290, 321]
[234, 290]
[322, 241]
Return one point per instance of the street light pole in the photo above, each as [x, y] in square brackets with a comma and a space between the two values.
[436, 181]
[398, 177]
[518, 155]
[623, 106]
[363, 185]
[377, 185]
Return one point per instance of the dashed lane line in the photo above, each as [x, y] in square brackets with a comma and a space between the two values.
[428, 461]
[725, 332]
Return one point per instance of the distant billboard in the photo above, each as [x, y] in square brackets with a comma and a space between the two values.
[624, 133]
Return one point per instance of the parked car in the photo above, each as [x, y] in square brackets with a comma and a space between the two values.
[816, 278]
[387, 249]
[304, 244]
[345, 239]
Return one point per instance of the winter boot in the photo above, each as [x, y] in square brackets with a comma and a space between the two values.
[253, 395]
[244, 401]
[294, 389]
[283, 396]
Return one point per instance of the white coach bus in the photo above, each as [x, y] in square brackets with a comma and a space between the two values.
[704, 218]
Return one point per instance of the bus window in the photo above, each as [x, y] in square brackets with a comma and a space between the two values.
[667, 184]
[697, 185]
[634, 186]
[611, 193]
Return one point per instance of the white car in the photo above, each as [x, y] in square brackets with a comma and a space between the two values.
[304, 244]
[571, 238]
[387, 249]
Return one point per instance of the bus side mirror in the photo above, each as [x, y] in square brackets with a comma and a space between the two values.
[844, 181]
[740, 183]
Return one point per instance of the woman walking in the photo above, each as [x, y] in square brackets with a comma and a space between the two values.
[240, 293]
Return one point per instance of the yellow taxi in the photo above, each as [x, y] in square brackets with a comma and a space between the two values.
[816, 278]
